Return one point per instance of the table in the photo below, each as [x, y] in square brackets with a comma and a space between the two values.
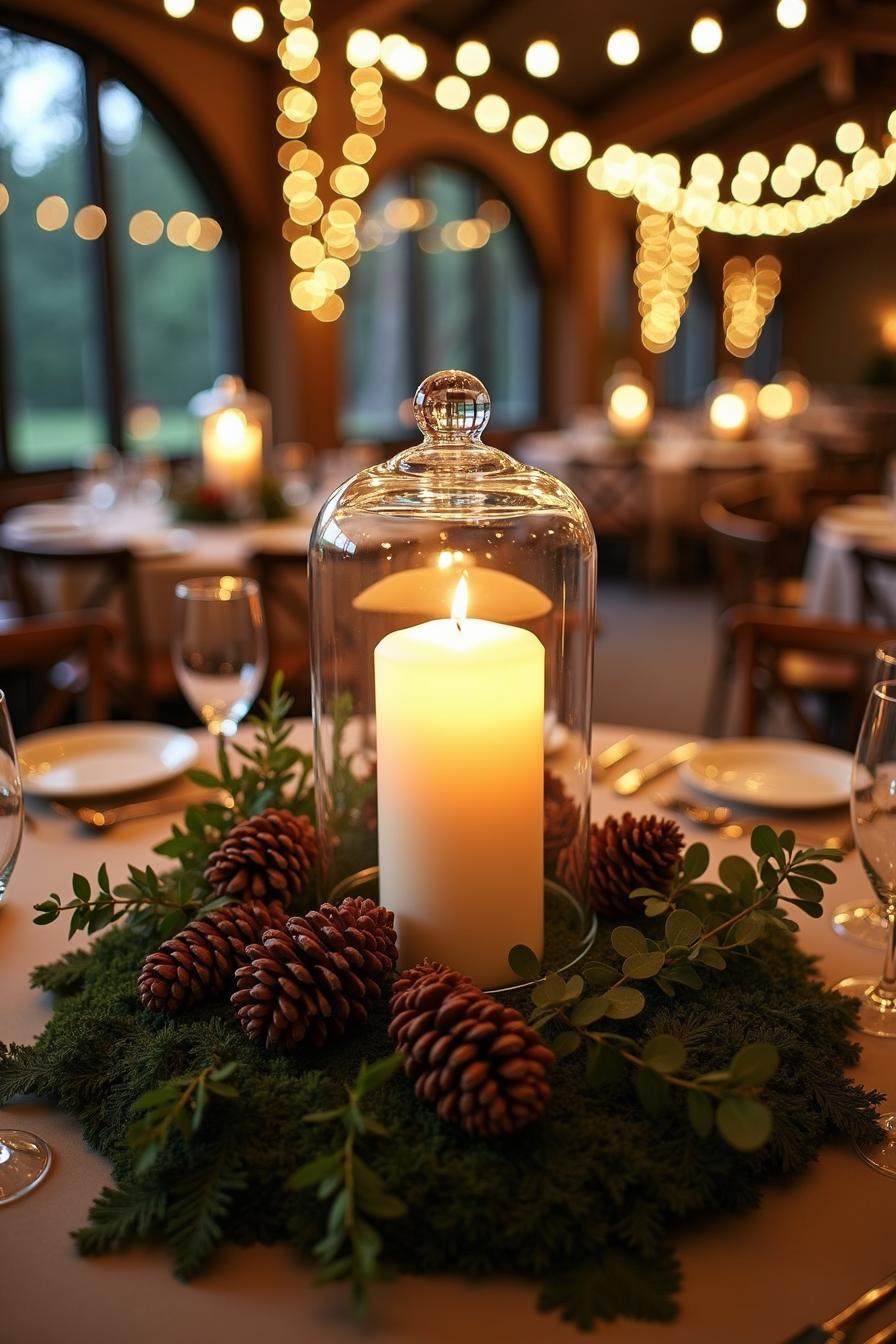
[811, 1247]
[833, 587]
[164, 554]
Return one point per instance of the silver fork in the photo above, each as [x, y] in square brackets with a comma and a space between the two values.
[722, 819]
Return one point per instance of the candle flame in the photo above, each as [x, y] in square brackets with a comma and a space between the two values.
[459, 605]
[231, 428]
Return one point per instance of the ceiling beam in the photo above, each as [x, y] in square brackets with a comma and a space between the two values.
[679, 104]
[376, 14]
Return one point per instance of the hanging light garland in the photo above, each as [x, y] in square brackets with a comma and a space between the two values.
[749, 293]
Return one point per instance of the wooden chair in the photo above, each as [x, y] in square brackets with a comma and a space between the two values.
[283, 579]
[105, 579]
[73, 651]
[877, 580]
[773, 648]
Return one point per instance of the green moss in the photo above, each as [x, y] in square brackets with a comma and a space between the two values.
[589, 1200]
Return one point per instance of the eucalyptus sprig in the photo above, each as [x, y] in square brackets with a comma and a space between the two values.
[176, 1106]
[733, 913]
[350, 1249]
[161, 903]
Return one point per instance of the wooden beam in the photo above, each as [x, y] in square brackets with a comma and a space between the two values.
[376, 14]
[676, 105]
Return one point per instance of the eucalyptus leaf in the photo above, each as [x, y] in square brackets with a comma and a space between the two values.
[754, 1064]
[700, 1113]
[695, 862]
[744, 1123]
[653, 1091]
[682, 928]
[628, 941]
[623, 1002]
[643, 965]
[664, 1053]
[524, 963]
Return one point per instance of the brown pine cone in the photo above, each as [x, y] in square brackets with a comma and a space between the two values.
[561, 817]
[315, 978]
[265, 858]
[625, 853]
[474, 1058]
[200, 961]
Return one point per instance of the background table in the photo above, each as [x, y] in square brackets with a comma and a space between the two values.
[754, 1279]
[833, 587]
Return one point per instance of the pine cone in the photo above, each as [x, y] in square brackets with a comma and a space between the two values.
[314, 979]
[625, 853]
[200, 961]
[476, 1059]
[265, 858]
[561, 817]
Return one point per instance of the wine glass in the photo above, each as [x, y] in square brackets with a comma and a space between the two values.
[873, 805]
[220, 649]
[24, 1158]
[863, 920]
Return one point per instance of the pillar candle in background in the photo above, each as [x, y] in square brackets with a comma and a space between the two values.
[231, 451]
[460, 788]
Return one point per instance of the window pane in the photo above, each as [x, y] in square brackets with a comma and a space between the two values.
[416, 304]
[50, 290]
[175, 299]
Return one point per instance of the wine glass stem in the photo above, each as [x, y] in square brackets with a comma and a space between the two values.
[886, 989]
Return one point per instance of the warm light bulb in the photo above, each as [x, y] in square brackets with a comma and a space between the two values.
[785, 181]
[362, 49]
[623, 46]
[542, 58]
[791, 13]
[459, 605]
[628, 409]
[850, 137]
[473, 58]
[706, 34]
[801, 159]
[774, 401]
[728, 413]
[452, 92]
[571, 150]
[530, 134]
[888, 332]
[492, 113]
[247, 23]
[178, 9]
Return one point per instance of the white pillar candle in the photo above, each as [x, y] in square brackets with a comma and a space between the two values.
[460, 787]
[231, 451]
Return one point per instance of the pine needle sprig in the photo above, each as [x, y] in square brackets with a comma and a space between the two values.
[177, 1106]
[158, 903]
[350, 1249]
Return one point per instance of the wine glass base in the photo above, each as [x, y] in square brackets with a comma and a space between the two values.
[875, 1017]
[866, 924]
[24, 1162]
[882, 1156]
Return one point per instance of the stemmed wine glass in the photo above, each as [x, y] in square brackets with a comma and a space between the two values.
[24, 1158]
[863, 920]
[220, 648]
[873, 806]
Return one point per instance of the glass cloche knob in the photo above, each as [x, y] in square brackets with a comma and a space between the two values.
[451, 405]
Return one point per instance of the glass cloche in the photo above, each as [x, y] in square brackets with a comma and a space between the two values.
[452, 615]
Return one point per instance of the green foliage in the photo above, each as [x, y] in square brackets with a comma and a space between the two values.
[618, 1284]
[270, 773]
[357, 1196]
[720, 921]
[177, 1106]
[351, 789]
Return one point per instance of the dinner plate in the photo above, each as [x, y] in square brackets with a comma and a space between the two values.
[89, 759]
[771, 774]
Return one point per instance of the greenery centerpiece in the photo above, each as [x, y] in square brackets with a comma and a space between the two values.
[692, 1059]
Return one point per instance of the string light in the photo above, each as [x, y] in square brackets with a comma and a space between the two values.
[362, 48]
[530, 134]
[146, 227]
[706, 34]
[623, 46]
[542, 58]
[850, 137]
[571, 150]
[473, 58]
[178, 9]
[492, 113]
[89, 222]
[247, 23]
[51, 213]
[452, 92]
[791, 13]
[749, 294]
[4, 198]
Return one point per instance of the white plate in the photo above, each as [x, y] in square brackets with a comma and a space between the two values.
[771, 774]
[96, 758]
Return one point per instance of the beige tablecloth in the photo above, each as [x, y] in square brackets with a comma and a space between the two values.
[812, 1246]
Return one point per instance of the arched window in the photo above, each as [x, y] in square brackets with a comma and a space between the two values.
[447, 280]
[117, 289]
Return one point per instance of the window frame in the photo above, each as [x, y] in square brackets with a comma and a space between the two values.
[102, 64]
[409, 171]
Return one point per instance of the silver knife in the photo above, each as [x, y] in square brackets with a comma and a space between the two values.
[633, 780]
[835, 1330]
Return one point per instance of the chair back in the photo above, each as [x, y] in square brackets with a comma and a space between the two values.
[877, 584]
[75, 648]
